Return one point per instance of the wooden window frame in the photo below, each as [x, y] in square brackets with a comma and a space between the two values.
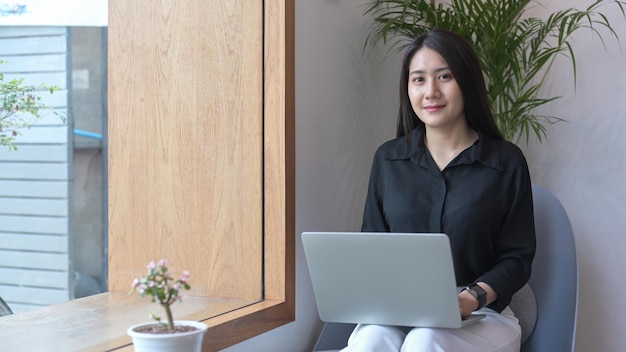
[278, 307]
[102, 319]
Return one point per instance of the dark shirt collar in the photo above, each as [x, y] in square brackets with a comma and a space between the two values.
[485, 151]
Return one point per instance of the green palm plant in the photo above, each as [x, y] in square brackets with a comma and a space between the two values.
[516, 50]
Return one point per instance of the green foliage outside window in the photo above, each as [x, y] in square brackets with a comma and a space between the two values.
[20, 106]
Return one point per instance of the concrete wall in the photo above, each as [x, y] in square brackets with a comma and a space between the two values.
[88, 109]
[346, 106]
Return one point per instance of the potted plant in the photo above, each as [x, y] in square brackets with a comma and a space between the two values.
[516, 50]
[20, 107]
[169, 335]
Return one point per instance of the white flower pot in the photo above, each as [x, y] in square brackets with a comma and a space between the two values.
[190, 341]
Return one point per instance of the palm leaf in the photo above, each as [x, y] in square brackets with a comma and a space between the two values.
[516, 51]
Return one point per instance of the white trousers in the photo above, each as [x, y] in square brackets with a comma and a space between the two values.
[497, 332]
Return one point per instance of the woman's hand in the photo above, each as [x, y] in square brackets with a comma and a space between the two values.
[468, 303]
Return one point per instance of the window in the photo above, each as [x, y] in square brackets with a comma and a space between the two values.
[201, 151]
[182, 80]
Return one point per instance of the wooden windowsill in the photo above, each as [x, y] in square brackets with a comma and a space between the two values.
[99, 322]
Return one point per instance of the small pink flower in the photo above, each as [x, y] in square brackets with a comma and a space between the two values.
[185, 276]
[160, 285]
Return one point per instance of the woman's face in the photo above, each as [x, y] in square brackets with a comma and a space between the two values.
[434, 93]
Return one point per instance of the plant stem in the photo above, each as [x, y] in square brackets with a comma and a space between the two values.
[170, 319]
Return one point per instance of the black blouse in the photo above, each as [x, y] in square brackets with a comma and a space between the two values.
[482, 200]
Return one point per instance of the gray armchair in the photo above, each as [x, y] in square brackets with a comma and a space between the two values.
[547, 305]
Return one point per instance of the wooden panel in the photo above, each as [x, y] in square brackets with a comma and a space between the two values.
[33, 45]
[58, 78]
[53, 117]
[50, 153]
[36, 63]
[33, 295]
[29, 224]
[34, 260]
[185, 142]
[58, 99]
[280, 150]
[42, 171]
[29, 242]
[27, 31]
[41, 207]
[34, 278]
[27, 188]
[279, 240]
[58, 117]
[43, 134]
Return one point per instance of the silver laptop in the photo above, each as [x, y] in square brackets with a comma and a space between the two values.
[403, 279]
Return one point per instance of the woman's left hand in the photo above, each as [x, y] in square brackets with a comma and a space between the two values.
[467, 303]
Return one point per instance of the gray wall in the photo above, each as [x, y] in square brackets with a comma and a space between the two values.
[583, 162]
[346, 106]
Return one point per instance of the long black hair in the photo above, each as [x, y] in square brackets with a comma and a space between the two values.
[465, 68]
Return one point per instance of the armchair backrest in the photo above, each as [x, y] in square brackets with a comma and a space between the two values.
[554, 278]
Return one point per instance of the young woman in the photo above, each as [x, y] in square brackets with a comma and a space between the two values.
[450, 171]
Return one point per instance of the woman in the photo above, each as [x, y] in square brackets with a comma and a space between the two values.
[449, 170]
